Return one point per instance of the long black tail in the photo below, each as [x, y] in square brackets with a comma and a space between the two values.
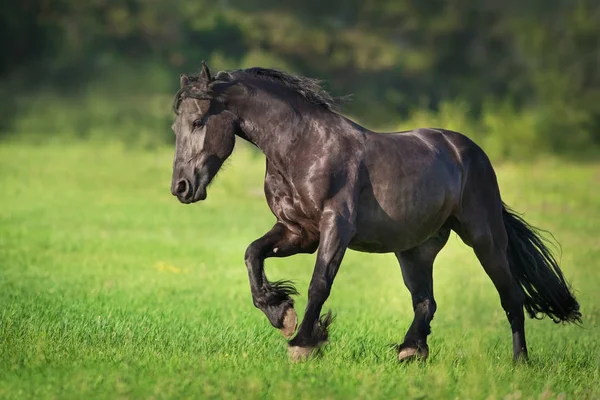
[534, 267]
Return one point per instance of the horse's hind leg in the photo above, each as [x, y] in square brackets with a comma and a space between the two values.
[417, 269]
[489, 241]
[481, 226]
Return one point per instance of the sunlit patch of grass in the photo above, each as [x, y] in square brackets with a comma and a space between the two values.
[109, 287]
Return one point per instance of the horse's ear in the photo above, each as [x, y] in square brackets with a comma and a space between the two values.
[183, 80]
[205, 74]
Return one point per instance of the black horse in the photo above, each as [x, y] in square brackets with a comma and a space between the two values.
[333, 185]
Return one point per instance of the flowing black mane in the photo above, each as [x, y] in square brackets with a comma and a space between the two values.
[309, 88]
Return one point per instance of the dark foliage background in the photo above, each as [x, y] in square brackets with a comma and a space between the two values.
[521, 77]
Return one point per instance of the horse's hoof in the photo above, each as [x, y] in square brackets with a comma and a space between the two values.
[521, 357]
[409, 354]
[290, 323]
[299, 354]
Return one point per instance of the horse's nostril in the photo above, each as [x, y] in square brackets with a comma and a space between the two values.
[182, 188]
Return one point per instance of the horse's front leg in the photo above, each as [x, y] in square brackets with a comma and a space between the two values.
[336, 231]
[273, 298]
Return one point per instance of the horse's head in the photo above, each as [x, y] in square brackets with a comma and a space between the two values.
[205, 136]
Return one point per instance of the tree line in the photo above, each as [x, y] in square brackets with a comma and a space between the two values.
[396, 57]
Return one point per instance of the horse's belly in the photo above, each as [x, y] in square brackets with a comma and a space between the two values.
[382, 237]
[384, 227]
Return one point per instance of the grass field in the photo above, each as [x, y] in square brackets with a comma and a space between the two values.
[109, 288]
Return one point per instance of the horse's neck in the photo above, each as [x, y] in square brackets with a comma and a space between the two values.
[274, 134]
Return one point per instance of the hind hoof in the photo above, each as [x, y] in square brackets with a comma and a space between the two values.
[290, 323]
[300, 354]
[521, 357]
[409, 354]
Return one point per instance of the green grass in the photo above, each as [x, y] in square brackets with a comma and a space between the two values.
[110, 288]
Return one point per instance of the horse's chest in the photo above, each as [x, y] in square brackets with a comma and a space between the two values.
[289, 207]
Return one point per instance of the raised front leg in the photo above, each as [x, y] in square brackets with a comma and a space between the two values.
[273, 298]
[336, 231]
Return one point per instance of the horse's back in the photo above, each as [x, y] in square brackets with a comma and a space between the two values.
[429, 155]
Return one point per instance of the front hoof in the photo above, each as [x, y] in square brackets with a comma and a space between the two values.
[299, 354]
[409, 354]
[290, 323]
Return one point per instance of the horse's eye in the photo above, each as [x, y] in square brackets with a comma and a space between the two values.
[198, 123]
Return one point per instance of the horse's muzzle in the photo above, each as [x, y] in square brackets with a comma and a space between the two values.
[183, 190]
[186, 192]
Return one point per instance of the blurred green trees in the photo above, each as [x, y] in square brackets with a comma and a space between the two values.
[508, 69]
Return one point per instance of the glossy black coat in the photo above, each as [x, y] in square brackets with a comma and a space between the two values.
[333, 184]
